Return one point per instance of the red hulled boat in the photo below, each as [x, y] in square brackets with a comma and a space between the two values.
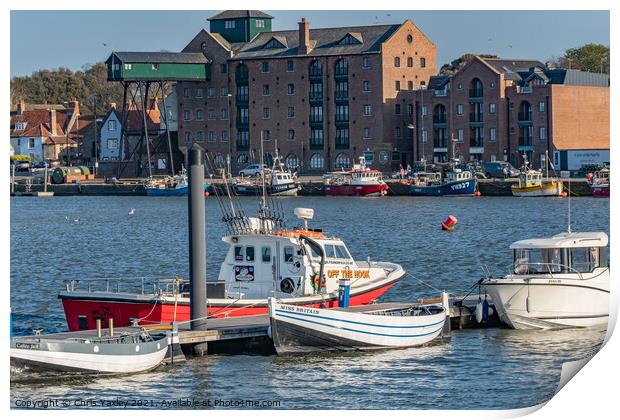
[360, 181]
[599, 183]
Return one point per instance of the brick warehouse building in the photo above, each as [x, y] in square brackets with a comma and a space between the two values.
[326, 96]
[501, 109]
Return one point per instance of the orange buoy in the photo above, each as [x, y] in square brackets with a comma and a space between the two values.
[564, 194]
[449, 223]
[477, 194]
[589, 176]
[206, 194]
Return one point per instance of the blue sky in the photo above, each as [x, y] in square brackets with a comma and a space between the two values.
[52, 39]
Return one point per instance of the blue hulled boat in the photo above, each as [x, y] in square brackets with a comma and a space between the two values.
[455, 183]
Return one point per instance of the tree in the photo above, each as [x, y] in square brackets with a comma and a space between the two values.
[590, 57]
[452, 68]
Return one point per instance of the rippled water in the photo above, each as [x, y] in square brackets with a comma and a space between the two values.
[493, 368]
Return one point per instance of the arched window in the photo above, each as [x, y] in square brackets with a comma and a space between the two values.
[475, 88]
[242, 158]
[203, 47]
[241, 72]
[291, 162]
[342, 67]
[343, 161]
[317, 161]
[316, 68]
[525, 111]
[218, 159]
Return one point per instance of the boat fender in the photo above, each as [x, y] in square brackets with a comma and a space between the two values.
[528, 303]
[287, 285]
[485, 310]
[478, 312]
[315, 282]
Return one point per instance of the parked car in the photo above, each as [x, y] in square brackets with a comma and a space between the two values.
[22, 166]
[254, 170]
[500, 169]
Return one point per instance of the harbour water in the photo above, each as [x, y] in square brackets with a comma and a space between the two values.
[82, 237]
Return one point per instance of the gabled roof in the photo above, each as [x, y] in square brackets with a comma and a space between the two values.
[512, 65]
[135, 119]
[325, 41]
[352, 38]
[240, 14]
[276, 41]
[438, 82]
[159, 57]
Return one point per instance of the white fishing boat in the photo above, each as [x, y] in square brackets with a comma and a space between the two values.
[561, 281]
[297, 329]
[278, 182]
[124, 353]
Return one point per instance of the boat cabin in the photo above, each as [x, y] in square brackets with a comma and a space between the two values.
[426, 178]
[581, 252]
[457, 175]
[530, 178]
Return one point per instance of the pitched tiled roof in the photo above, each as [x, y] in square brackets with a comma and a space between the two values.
[240, 14]
[510, 65]
[325, 42]
[437, 82]
[159, 57]
[135, 119]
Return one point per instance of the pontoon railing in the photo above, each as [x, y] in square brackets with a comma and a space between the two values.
[142, 285]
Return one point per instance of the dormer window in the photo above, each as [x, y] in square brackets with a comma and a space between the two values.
[273, 44]
[351, 39]
[20, 126]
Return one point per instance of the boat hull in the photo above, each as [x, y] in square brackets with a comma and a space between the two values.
[170, 192]
[125, 307]
[296, 329]
[551, 189]
[275, 190]
[356, 190]
[541, 303]
[93, 357]
[457, 188]
[599, 190]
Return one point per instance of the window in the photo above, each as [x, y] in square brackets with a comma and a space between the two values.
[291, 112]
[459, 109]
[112, 125]
[397, 132]
[492, 108]
[290, 89]
[397, 85]
[365, 63]
[242, 158]
[409, 61]
[249, 253]
[260, 23]
[396, 61]
[422, 62]
[212, 136]
[225, 136]
[112, 144]
[200, 115]
[383, 157]
[266, 254]
[409, 109]
[211, 92]
[542, 133]
[199, 92]
[291, 135]
[424, 111]
[154, 67]
[212, 114]
[425, 136]
[224, 91]
[291, 162]
[343, 161]
[459, 135]
[317, 161]
[127, 66]
[366, 86]
[116, 67]
[369, 157]
[266, 113]
[492, 134]
[367, 133]
[243, 93]
[541, 107]
[367, 110]
[187, 115]
[265, 67]
[342, 113]
[265, 90]
[244, 115]
[316, 114]
[266, 135]
[410, 38]
[188, 136]
[187, 93]
[459, 86]
[289, 254]
[316, 138]
[224, 113]
[492, 85]
[200, 136]
[21, 126]
[229, 24]
[223, 68]
[290, 65]
[397, 109]
[410, 85]
[342, 67]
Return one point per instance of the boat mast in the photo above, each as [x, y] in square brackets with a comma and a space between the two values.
[263, 200]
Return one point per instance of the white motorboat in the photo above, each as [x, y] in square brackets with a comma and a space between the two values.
[561, 281]
[124, 353]
[297, 329]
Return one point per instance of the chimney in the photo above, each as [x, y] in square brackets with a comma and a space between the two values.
[21, 106]
[113, 105]
[304, 36]
[76, 106]
[53, 122]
